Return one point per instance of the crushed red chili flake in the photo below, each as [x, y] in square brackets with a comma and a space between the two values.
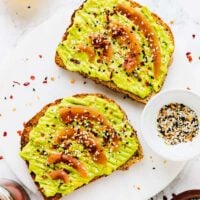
[189, 56]
[5, 134]
[11, 96]
[193, 36]
[32, 77]
[1, 157]
[26, 84]
[44, 82]
[19, 132]
[40, 56]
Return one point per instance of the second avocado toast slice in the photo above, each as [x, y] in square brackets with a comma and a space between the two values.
[119, 44]
[76, 140]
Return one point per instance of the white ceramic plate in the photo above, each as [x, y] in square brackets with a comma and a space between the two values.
[142, 180]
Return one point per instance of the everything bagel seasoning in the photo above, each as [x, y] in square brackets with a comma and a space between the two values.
[177, 123]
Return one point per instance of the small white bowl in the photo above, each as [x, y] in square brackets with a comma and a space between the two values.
[178, 152]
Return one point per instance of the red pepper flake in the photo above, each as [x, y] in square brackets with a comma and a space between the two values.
[16, 82]
[19, 132]
[1, 157]
[5, 134]
[40, 55]
[11, 96]
[32, 77]
[45, 82]
[193, 36]
[26, 84]
[189, 56]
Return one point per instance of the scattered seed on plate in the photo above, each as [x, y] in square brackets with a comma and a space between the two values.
[1, 157]
[177, 123]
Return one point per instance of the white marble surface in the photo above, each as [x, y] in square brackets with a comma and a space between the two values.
[18, 17]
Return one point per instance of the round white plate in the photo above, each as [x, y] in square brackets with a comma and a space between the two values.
[18, 103]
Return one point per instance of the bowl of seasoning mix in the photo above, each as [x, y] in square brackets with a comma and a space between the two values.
[170, 124]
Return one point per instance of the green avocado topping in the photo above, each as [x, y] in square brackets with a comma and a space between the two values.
[91, 20]
[42, 144]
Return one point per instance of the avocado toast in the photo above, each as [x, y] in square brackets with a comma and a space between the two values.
[119, 44]
[76, 140]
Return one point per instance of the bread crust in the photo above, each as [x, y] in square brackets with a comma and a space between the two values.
[34, 120]
[110, 84]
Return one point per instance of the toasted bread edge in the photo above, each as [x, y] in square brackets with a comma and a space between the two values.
[110, 84]
[34, 120]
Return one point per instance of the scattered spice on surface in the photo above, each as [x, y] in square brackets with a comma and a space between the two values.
[33, 89]
[165, 161]
[1, 157]
[177, 123]
[26, 84]
[52, 79]
[5, 133]
[171, 22]
[173, 194]
[14, 109]
[84, 82]
[32, 77]
[44, 82]
[164, 198]
[40, 56]
[137, 187]
[16, 82]
[11, 96]
[28, 7]
[19, 132]
[153, 168]
[188, 88]
[72, 81]
[125, 96]
[189, 56]
[193, 36]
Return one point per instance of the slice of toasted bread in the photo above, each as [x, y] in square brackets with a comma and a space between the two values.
[27, 135]
[140, 89]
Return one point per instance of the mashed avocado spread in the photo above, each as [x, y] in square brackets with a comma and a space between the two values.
[42, 144]
[93, 19]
